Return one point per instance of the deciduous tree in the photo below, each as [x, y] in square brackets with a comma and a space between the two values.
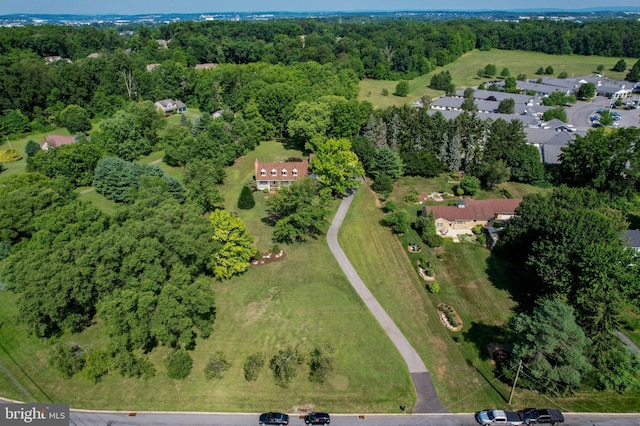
[336, 166]
[235, 245]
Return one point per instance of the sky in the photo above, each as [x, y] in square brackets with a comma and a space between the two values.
[132, 7]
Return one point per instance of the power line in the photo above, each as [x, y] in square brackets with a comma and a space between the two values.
[489, 383]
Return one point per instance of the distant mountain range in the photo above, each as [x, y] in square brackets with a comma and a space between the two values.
[155, 18]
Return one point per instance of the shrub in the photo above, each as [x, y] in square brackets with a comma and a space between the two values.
[463, 238]
[320, 365]
[470, 184]
[412, 198]
[252, 366]
[9, 155]
[506, 193]
[276, 249]
[178, 364]
[481, 239]
[390, 206]
[216, 365]
[383, 184]
[433, 287]
[284, 366]
[432, 240]
[398, 221]
[67, 359]
[97, 364]
[402, 88]
[477, 230]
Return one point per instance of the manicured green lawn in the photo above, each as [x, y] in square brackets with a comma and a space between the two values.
[482, 288]
[303, 301]
[464, 72]
[17, 167]
[98, 200]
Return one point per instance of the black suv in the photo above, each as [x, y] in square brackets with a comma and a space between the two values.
[541, 415]
[317, 419]
[274, 419]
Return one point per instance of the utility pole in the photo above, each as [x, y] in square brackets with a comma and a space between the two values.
[513, 388]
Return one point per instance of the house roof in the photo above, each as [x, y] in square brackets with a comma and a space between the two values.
[499, 96]
[54, 141]
[632, 238]
[283, 170]
[474, 209]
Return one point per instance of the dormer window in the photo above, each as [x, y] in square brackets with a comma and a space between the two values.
[284, 172]
[274, 172]
[263, 172]
[295, 172]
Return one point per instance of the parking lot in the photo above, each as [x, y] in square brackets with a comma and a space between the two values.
[579, 114]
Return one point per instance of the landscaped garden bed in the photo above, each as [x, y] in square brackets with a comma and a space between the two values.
[449, 317]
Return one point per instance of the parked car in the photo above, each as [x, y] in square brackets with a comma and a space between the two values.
[274, 419]
[498, 417]
[532, 416]
[317, 419]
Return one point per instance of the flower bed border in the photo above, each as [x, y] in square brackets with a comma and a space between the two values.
[445, 321]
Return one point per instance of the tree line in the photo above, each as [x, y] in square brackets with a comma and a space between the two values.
[32, 91]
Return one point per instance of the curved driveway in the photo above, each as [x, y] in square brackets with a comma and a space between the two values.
[426, 398]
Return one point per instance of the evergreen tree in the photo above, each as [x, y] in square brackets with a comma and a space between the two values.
[246, 200]
[31, 148]
[620, 66]
[634, 73]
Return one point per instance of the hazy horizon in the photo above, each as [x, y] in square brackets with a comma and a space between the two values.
[128, 7]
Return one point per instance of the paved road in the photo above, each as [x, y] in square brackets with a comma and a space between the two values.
[86, 418]
[426, 398]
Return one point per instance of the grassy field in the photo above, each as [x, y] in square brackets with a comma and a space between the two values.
[461, 373]
[464, 72]
[482, 288]
[303, 301]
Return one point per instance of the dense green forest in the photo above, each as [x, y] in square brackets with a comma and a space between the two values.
[32, 91]
[144, 271]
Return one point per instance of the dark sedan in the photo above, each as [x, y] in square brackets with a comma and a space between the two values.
[317, 419]
[274, 419]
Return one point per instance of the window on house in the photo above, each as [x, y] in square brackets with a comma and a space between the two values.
[274, 172]
[295, 172]
[439, 224]
[284, 172]
[460, 222]
[263, 172]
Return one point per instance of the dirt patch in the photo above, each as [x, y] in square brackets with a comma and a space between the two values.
[268, 258]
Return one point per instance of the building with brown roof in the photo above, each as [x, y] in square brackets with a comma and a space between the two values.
[275, 175]
[54, 141]
[467, 213]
